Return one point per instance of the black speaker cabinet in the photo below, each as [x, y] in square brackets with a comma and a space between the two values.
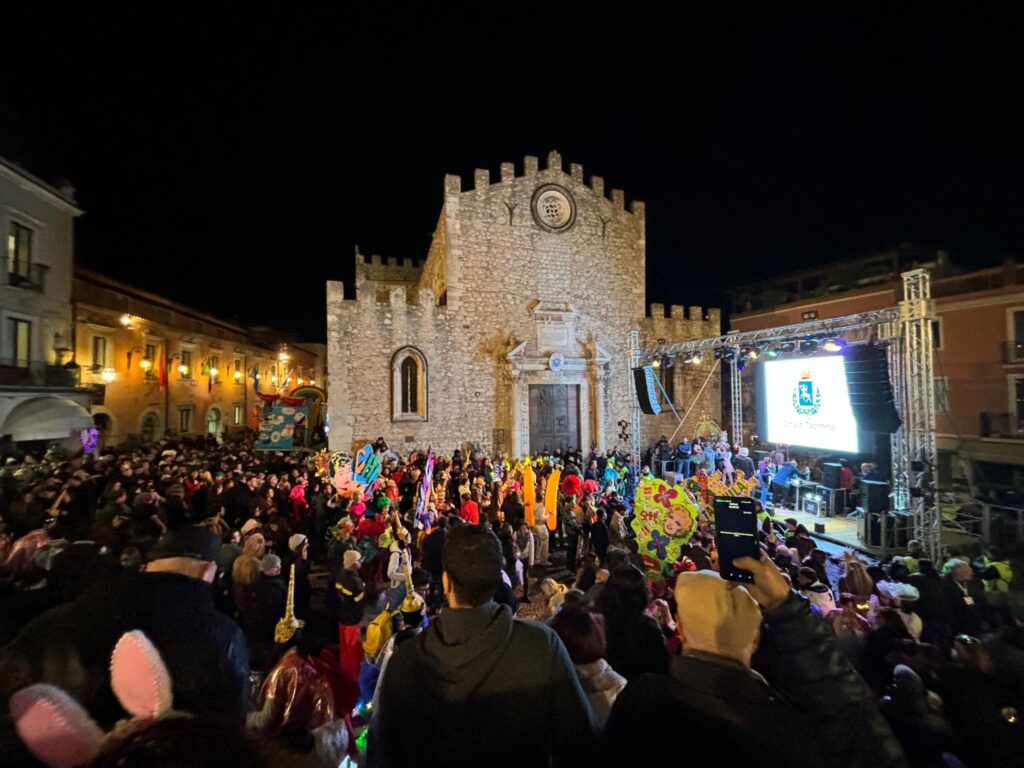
[830, 474]
[646, 390]
[871, 399]
[874, 496]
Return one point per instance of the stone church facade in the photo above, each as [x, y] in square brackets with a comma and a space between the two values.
[513, 334]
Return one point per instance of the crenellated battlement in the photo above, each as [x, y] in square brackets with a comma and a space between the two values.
[482, 180]
[677, 312]
[390, 269]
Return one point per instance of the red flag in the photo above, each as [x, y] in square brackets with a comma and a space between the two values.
[161, 369]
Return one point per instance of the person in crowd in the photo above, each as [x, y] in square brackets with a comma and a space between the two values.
[474, 667]
[742, 462]
[780, 482]
[634, 640]
[469, 510]
[827, 714]
[524, 550]
[818, 594]
[967, 597]
[172, 602]
[581, 628]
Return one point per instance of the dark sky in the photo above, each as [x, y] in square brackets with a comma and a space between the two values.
[231, 157]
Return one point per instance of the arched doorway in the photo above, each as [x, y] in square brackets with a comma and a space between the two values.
[102, 423]
[150, 427]
[213, 422]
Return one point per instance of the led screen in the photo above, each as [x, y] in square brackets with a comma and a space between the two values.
[807, 403]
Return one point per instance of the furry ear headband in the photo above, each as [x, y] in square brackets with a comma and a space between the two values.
[59, 732]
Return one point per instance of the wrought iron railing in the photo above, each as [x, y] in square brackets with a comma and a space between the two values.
[30, 276]
[24, 373]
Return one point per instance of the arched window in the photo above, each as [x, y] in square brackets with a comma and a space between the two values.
[408, 385]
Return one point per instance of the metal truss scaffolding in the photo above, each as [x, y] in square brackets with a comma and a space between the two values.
[736, 394]
[907, 332]
[917, 314]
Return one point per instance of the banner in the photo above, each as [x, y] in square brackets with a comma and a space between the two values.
[665, 519]
[277, 425]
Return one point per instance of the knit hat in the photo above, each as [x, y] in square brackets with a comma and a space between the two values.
[717, 617]
[194, 541]
[269, 563]
[897, 591]
[351, 557]
[295, 541]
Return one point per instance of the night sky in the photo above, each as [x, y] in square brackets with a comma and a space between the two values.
[231, 158]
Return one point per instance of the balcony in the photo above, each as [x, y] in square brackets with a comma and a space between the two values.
[30, 276]
[1001, 425]
[21, 373]
[1013, 352]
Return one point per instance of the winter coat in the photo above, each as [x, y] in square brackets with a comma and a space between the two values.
[636, 646]
[70, 646]
[601, 684]
[809, 692]
[473, 669]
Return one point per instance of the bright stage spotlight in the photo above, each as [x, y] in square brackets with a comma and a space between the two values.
[773, 351]
[834, 345]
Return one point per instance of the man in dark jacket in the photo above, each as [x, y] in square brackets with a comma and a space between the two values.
[831, 718]
[486, 678]
[172, 602]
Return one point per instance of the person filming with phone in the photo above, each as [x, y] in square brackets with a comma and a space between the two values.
[761, 681]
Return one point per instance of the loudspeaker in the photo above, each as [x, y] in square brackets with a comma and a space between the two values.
[646, 390]
[834, 501]
[867, 378]
[874, 496]
[830, 474]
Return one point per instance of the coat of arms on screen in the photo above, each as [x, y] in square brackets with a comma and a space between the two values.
[806, 396]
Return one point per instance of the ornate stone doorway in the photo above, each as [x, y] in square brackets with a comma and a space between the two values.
[554, 418]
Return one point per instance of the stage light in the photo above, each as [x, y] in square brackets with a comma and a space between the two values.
[741, 363]
[773, 351]
[694, 359]
[656, 362]
[808, 346]
[834, 345]
[668, 360]
[752, 353]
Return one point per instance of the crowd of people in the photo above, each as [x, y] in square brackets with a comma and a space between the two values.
[449, 615]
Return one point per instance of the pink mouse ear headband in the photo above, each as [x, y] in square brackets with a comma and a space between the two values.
[59, 732]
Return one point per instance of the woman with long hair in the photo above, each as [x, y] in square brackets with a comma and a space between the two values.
[635, 642]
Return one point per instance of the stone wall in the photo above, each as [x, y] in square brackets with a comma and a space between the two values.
[493, 263]
[681, 324]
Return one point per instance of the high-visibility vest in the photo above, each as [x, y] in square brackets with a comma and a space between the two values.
[1002, 584]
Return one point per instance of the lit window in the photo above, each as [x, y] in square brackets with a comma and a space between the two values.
[21, 341]
[19, 250]
[409, 385]
[185, 367]
[238, 415]
[99, 353]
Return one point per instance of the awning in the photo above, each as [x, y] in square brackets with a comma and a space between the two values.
[45, 418]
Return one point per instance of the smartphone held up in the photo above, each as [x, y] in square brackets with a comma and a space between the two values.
[735, 535]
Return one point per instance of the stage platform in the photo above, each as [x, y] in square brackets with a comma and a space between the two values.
[839, 531]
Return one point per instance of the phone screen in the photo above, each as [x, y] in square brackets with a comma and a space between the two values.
[736, 533]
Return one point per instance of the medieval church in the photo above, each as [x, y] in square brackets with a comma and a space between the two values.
[513, 335]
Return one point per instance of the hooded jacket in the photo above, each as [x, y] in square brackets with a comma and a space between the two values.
[467, 690]
[824, 707]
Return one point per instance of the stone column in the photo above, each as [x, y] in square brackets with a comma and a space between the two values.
[515, 425]
[600, 375]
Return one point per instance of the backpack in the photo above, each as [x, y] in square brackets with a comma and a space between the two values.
[378, 632]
